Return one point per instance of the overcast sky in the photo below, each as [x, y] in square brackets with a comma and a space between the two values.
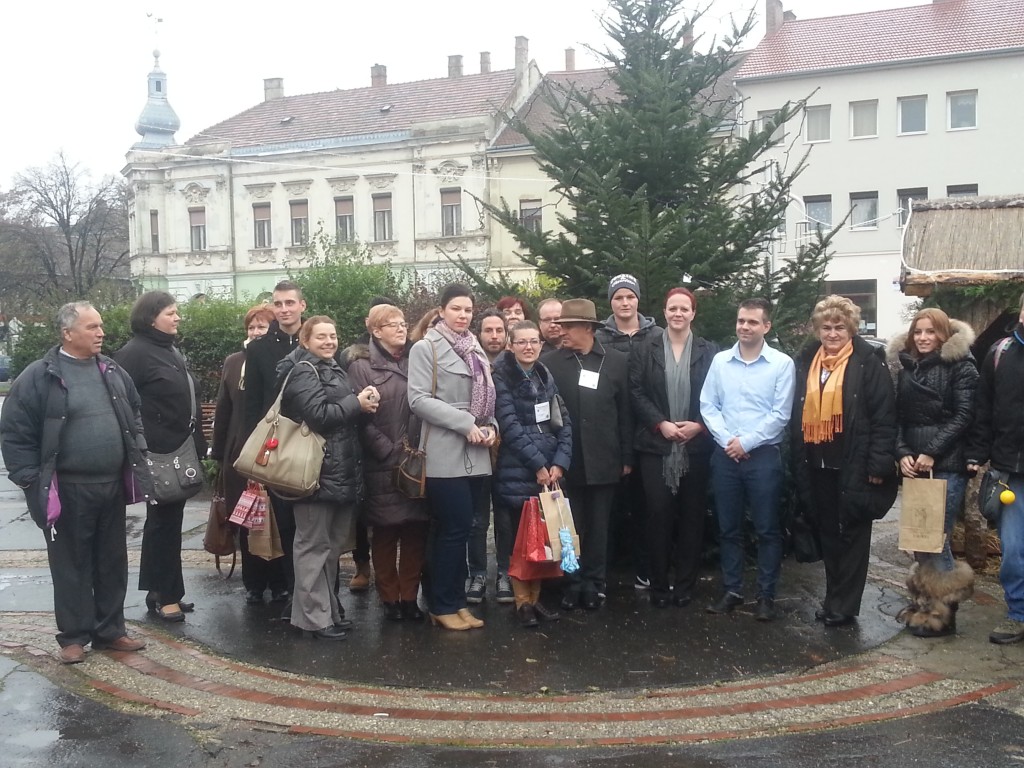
[75, 72]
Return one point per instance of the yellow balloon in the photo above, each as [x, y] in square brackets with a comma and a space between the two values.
[1007, 496]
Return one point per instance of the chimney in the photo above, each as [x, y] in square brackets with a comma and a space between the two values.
[454, 66]
[522, 56]
[570, 59]
[774, 17]
[485, 62]
[273, 88]
[378, 76]
[688, 35]
[788, 16]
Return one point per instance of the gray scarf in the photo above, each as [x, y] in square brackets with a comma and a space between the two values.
[677, 384]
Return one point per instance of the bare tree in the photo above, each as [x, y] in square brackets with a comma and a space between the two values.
[63, 236]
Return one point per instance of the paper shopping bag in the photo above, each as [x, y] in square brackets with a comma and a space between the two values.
[265, 540]
[520, 566]
[246, 502]
[923, 515]
[555, 509]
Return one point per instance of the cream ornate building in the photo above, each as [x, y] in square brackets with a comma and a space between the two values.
[393, 166]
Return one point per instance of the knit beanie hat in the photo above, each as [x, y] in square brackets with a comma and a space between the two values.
[623, 281]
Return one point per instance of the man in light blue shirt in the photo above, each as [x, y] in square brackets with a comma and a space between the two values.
[746, 403]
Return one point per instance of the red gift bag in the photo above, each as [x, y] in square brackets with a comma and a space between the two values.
[531, 541]
[247, 502]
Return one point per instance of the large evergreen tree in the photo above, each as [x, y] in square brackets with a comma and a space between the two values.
[663, 181]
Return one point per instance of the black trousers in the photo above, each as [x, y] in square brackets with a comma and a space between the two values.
[160, 564]
[675, 524]
[845, 552]
[284, 513]
[591, 511]
[259, 575]
[89, 563]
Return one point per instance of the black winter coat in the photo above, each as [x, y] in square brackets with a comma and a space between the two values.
[382, 433]
[998, 432]
[261, 358]
[650, 395]
[526, 446]
[322, 397]
[869, 435]
[161, 379]
[602, 418]
[34, 415]
[935, 399]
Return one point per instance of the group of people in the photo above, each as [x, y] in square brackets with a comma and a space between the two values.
[620, 413]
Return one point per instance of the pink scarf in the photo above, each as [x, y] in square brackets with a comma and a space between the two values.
[481, 401]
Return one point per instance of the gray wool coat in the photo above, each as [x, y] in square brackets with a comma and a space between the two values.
[446, 418]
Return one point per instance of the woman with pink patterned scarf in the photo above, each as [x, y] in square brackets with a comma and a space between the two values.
[451, 392]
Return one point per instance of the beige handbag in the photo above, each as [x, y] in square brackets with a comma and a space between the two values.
[283, 455]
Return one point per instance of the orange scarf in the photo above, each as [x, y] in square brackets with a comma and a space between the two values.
[823, 406]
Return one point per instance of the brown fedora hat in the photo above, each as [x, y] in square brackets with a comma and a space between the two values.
[579, 311]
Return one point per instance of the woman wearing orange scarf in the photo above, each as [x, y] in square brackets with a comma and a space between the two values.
[844, 450]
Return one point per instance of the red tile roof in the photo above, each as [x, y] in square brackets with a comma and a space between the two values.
[360, 111]
[946, 28]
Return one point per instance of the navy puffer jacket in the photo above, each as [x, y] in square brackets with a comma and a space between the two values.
[525, 446]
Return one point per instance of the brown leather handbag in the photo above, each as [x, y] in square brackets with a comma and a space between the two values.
[410, 474]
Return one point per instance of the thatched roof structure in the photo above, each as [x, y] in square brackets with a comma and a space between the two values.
[962, 242]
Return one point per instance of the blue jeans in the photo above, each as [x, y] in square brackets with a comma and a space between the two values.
[754, 483]
[453, 502]
[956, 485]
[476, 551]
[1011, 533]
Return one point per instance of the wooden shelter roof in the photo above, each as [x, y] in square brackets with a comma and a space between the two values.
[964, 241]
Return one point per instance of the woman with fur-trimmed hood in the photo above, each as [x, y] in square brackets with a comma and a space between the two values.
[935, 408]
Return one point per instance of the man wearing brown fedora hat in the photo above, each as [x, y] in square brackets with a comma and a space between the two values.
[594, 382]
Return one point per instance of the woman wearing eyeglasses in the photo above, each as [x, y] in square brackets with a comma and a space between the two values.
[399, 524]
[536, 448]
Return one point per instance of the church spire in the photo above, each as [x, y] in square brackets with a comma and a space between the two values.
[158, 121]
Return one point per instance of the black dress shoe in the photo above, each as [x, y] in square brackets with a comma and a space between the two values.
[254, 597]
[590, 600]
[186, 607]
[393, 612]
[570, 601]
[837, 619]
[411, 610]
[527, 616]
[765, 610]
[681, 598]
[332, 632]
[545, 614]
[280, 596]
[726, 603]
[343, 624]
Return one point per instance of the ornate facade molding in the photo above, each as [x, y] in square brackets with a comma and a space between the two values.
[297, 187]
[384, 250]
[195, 193]
[260, 191]
[262, 255]
[381, 181]
[342, 184]
[449, 171]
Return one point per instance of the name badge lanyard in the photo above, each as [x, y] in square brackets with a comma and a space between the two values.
[589, 379]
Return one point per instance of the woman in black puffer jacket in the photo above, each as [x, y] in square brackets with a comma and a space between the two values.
[534, 451]
[318, 393]
[935, 408]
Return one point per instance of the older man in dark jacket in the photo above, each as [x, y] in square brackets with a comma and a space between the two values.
[75, 415]
[594, 383]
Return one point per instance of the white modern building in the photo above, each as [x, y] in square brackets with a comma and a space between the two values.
[393, 166]
[909, 103]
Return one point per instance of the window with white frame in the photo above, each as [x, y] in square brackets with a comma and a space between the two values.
[300, 222]
[154, 231]
[197, 228]
[961, 110]
[345, 219]
[764, 117]
[382, 230]
[863, 119]
[818, 209]
[818, 123]
[913, 114]
[962, 190]
[261, 225]
[530, 215]
[865, 210]
[451, 212]
[863, 293]
[906, 196]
